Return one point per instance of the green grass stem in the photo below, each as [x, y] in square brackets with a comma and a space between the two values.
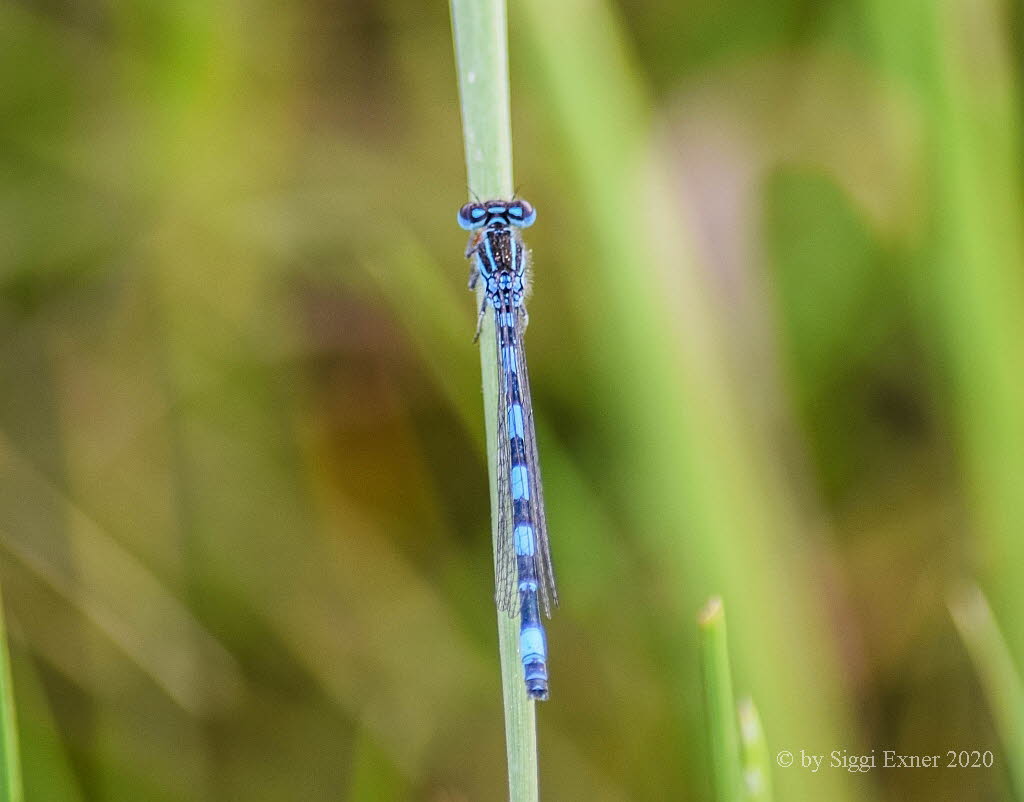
[999, 677]
[10, 766]
[723, 743]
[479, 28]
[754, 758]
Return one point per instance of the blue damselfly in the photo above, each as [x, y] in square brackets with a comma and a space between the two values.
[524, 577]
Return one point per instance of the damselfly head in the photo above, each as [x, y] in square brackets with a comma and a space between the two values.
[505, 213]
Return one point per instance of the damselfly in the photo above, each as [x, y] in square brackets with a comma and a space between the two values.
[523, 574]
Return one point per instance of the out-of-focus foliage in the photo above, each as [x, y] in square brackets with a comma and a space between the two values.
[775, 351]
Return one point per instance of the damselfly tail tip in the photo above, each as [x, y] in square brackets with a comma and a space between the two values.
[536, 681]
[538, 694]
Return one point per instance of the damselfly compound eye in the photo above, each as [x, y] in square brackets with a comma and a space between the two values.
[521, 213]
[472, 215]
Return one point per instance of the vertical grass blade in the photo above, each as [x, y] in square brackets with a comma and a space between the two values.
[706, 492]
[755, 761]
[969, 283]
[723, 743]
[479, 28]
[999, 678]
[10, 766]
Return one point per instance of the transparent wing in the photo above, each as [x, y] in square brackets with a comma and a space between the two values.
[542, 554]
[505, 581]
[509, 351]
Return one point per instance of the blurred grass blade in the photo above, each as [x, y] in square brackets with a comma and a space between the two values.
[479, 28]
[969, 283]
[374, 775]
[119, 595]
[689, 461]
[999, 677]
[720, 707]
[48, 771]
[755, 762]
[10, 765]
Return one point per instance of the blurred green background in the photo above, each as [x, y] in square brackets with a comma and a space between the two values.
[777, 353]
